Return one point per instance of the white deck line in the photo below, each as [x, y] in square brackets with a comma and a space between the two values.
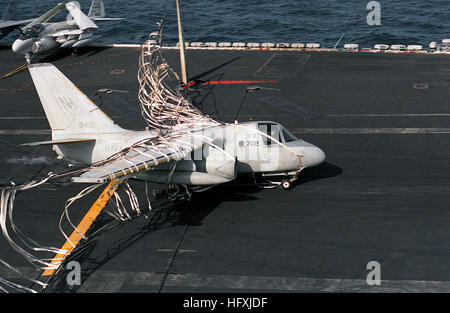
[298, 131]
[361, 50]
[112, 281]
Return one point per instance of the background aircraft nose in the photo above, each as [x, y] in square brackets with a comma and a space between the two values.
[313, 156]
[21, 46]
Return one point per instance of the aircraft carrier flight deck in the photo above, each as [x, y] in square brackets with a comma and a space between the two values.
[382, 195]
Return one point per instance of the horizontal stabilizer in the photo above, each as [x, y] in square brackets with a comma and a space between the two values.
[56, 142]
[103, 19]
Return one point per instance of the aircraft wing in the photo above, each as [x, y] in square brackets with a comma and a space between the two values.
[79, 17]
[8, 24]
[46, 16]
[67, 33]
[140, 159]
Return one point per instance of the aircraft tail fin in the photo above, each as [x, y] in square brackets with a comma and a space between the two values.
[70, 113]
[10, 12]
[97, 9]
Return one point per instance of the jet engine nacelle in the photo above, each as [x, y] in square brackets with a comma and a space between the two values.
[84, 42]
[224, 168]
[43, 45]
[198, 173]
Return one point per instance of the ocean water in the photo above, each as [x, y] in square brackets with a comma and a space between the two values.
[323, 21]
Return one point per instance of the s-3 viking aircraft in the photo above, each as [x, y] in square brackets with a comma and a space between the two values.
[196, 154]
[8, 21]
[181, 146]
[77, 31]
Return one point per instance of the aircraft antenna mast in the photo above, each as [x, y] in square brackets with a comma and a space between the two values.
[182, 46]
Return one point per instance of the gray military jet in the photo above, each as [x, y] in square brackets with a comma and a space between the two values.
[182, 146]
[77, 31]
[81, 131]
[8, 22]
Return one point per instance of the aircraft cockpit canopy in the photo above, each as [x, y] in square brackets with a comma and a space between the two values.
[276, 131]
[32, 32]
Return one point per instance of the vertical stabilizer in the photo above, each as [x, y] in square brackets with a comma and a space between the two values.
[97, 9]
[10, 12]
[69, 111]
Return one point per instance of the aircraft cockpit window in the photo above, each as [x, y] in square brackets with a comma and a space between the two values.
[32, 32]
[272, 130]
[288, 137]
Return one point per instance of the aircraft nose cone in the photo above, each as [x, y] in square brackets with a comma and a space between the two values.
[21, 46]
[17, 46]
[313, 156]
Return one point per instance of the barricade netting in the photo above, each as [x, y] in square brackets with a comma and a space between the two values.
[169, 114]
[166, 111]
[160, 93]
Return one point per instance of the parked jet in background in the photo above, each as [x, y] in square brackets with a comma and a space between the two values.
[77, 31]
[8, 21]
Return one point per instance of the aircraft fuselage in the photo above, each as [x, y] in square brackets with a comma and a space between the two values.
[246, 143]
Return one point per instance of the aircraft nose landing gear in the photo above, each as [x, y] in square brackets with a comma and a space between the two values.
[286, 184]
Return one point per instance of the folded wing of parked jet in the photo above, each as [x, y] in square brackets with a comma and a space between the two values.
[8, 20]
[81, 19]
[8, 24]
[46, 16]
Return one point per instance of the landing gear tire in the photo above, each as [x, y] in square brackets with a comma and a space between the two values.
[286, 184]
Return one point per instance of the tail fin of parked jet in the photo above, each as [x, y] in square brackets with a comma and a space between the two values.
[97, 12]
[10, 12]
[97, 9]
[70, 113]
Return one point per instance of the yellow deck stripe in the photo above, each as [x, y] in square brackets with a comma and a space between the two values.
[17, 70]
[85, 224]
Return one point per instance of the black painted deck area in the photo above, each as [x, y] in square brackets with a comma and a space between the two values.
[383, 193]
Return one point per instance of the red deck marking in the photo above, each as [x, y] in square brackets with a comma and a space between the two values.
[228, 82]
